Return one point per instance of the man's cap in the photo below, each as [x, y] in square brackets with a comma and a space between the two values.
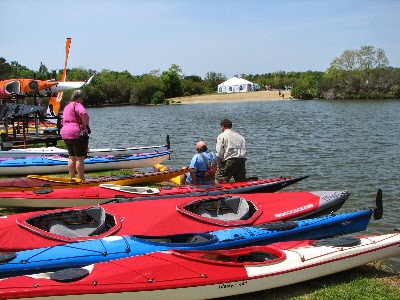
[200, 144]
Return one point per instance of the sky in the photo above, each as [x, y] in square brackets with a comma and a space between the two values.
[228, 37]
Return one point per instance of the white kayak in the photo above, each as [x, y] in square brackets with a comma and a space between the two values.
[50, 151]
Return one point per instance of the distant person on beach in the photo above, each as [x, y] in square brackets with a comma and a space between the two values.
[231, 154]
[75, 119]
[203, 163]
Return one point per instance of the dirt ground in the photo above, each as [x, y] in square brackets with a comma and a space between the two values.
[229, 97]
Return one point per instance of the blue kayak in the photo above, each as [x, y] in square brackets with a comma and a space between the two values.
[116, 247]
[59, 164]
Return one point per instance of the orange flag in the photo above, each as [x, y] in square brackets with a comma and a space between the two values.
[55, 100]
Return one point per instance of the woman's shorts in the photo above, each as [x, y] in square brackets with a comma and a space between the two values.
[77, 147]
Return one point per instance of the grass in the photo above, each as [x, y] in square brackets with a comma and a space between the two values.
[372, 282]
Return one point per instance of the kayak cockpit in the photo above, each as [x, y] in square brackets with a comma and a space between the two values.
[73, 224]
[224, 211]
[177, 240]
[240, 256]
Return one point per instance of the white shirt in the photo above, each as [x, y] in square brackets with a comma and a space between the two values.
[230, 145]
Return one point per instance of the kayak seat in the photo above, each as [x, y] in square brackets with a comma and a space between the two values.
[89, 222]
[197, 239]
[230, 208]
[239, 209]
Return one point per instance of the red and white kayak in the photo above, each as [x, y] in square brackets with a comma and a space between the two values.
[204, 274]
[162, 217]
[82, 194]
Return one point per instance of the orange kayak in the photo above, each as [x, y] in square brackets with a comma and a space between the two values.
[23, 87]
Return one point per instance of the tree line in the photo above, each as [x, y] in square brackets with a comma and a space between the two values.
[356, 74]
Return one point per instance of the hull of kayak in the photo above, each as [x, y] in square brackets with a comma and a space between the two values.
[204, 274]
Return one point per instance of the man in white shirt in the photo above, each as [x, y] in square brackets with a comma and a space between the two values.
[231, 154]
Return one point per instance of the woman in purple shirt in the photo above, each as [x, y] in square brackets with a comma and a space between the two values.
[74, 120]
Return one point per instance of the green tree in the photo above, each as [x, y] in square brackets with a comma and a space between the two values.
[346, 62]
[369, 58]
[113, 87]
[356, 74]
[143, 90]
[172, 82]
[158, 97]
[306, 85]
[175, 68]
[211, 81]
[76, 74]
[5, 69]
[21, 71]
[43, 73]
[193, 85]
[364, 59]
[362, 73]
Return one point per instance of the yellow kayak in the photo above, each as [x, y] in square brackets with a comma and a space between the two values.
[39, 182]
[56, 179]
[162, 168]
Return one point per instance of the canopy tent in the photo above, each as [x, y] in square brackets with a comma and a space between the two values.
[235, 85]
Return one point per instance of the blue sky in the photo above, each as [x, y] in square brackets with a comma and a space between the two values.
[228, 37]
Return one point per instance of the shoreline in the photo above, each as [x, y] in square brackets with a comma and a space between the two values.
[233, 97]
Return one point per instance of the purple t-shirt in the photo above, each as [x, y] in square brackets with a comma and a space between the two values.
[72, 118]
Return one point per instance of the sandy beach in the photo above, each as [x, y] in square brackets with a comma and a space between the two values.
[234, 97]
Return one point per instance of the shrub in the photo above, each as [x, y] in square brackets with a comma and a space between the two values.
[158, 97]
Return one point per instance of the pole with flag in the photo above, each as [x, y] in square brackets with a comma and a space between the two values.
[55, 100]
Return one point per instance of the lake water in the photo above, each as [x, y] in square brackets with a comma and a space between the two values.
[342, 145]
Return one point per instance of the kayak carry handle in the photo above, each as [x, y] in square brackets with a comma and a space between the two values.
[378, 210]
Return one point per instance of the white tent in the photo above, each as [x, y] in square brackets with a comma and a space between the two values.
[235, 85]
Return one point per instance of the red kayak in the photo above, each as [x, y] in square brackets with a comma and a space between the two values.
[177, 274]
[92, 195]
[162, 217]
